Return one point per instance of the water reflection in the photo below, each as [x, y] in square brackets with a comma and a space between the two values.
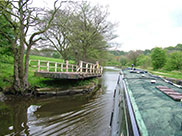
[76, 115]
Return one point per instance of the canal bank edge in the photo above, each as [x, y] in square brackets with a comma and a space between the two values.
[47, 92]
[176, 81]
[2, 97]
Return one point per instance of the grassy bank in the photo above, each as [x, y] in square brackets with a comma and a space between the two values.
[6, 75]
[165, 73]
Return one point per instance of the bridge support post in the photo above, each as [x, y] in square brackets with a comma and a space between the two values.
[61, 67]
[94, 69]
[87, 68]
[91, 68]
[56, 67]
[97, 67]
[38, 66]
[48, 66]
[72, 68]
[81, 66]
[67, 65]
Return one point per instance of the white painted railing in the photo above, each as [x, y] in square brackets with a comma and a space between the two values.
[50, 66]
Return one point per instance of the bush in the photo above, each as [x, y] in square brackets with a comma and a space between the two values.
[143, 61]
[174, 61]
[158, 57]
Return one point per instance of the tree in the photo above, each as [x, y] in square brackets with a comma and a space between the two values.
[24, 18]
[132, 56]
[147, 52]
[90, 31]
[158, 57]
[80, 31]
[123, 60]
[174, 61]
[143, 61]
[179, 47]
[57, 36]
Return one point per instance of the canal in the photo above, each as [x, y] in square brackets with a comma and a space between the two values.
[83, 115]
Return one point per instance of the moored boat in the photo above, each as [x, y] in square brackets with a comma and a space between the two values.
[146, 105]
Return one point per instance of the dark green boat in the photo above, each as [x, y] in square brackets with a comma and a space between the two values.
[146, 105]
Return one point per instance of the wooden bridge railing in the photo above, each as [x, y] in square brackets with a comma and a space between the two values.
[83, 67]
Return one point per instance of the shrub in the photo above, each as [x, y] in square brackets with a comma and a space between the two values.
[174, 61]
[158, 57]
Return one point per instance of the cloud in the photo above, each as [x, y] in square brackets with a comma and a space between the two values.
[144, 24]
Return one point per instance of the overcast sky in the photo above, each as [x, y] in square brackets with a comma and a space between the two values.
[143, 24]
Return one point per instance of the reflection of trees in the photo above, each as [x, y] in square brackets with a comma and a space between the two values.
[6, 118]
[15, 114]
[20, 117]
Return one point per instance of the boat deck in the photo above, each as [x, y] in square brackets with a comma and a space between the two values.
[155, 112]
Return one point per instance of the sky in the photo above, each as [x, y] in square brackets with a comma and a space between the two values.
[142, 24]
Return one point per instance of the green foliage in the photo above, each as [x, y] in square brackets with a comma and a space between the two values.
[111, 60]
[56, 55]
[174, 61]
[179, 47]
[117, 52]
[147, 52]
[6, 34]
[143, 61]
[132, 56]
[123, 60]
[158, 57]
[81, 33]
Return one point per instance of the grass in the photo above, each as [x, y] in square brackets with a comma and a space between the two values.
[6, 71]
[49, 59]
[6, 75]
[164, 73]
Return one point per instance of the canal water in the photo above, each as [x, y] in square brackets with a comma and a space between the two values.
[83, 115]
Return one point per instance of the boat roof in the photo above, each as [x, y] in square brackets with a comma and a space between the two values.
[156, 113]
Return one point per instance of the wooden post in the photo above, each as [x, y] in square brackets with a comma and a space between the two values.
[38, 66]
[97, 67]
[81, 66]
[90, 68]
[101, 70]
[94, 69]
[56, 67]
[77, 68]
[67, 65]
[61, 67]
[87, 68]
[72, 68]
[48, 66]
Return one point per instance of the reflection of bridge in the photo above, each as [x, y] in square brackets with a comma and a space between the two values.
[65, 70]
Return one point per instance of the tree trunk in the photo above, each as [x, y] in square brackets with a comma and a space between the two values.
[26, 84]
[16, 83]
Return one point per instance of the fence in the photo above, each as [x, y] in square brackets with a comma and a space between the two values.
[50, 66]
